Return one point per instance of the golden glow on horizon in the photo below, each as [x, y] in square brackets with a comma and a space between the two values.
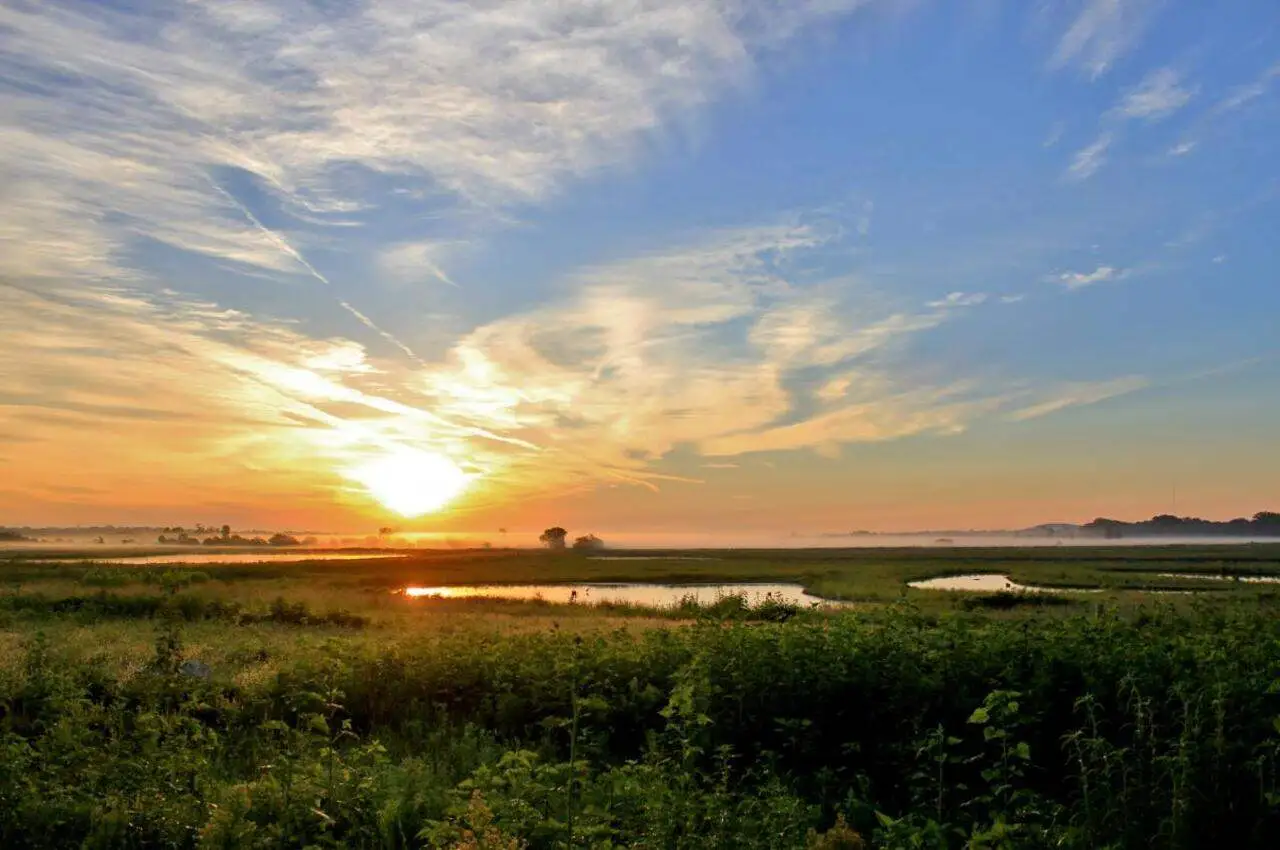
[412, 482]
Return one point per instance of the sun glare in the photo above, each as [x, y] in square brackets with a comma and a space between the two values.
[412, 482]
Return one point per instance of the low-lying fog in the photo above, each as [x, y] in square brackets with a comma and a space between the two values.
[622, 540]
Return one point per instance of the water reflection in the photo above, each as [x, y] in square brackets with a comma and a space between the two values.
[994, 583]
[1250, 579]
[981, 582]
[225, 558]
[652, 558]
[649, 595]
[991, 583]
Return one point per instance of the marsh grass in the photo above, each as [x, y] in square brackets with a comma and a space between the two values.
[921, 722]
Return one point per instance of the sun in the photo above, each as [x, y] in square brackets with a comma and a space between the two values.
[412, 482]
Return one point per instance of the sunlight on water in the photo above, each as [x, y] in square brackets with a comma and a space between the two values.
[991, 583]
[1249, 579]
[986, 583]
[652, 558]
[215, 558]
[650, 595]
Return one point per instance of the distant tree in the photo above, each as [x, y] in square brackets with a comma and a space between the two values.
[554, 537]
[386, 530]
[282, 539]
[588, 542]
[226, 532]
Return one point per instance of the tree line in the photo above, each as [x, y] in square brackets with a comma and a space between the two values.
[556, 538]
[1262, 524]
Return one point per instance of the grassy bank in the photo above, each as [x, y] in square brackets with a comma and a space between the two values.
[873, 575]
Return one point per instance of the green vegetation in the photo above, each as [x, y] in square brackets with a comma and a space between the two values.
[292, 705]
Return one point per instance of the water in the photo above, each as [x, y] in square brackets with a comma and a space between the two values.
[977, 582]
[652, 558]
[991, 583]
[1250, 579]
[648, 595]
[225, 558]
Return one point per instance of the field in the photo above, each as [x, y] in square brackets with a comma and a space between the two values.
[291, 705]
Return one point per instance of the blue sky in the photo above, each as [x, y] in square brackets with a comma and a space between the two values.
[641, 263]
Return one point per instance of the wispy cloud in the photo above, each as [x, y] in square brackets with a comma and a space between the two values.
[415, 262]
[1159, 95]
[81, 375]
[1101, 32]
[1090, 158]
[864, 219]
[1079, 280]
[1079, 394]
[1055, 134]
[1241, 95]
[123, 115]
[702, 346]
[960, 299]
[1214, 121]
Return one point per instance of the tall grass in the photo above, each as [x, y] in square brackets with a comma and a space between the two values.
[892, 729]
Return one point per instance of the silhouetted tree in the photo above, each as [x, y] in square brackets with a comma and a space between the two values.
[554, 537]
[226, 532]
[588, 542]
[282, 539]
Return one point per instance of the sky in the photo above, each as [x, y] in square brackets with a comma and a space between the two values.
[670, 265]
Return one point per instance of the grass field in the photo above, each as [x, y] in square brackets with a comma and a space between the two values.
[291, 705]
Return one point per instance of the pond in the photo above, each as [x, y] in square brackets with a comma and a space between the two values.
[651, 558]
[994, 583]
[649, 595]
[991, 583]
[1249, 579]
[223, 558]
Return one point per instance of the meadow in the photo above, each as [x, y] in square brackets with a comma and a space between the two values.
[310, 705]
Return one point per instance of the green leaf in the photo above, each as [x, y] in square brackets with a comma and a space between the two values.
[1023, 751]
[979, 715]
